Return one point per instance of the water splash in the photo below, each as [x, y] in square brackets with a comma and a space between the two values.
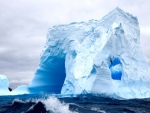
[54, 105]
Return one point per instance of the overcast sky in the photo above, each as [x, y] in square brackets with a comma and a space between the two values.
[24, 24]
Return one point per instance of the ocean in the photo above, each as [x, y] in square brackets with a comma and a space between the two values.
[76, 104]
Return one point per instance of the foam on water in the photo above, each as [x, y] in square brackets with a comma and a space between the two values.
[54, 105]
[76, 104]
[97, 109]
[50, 104]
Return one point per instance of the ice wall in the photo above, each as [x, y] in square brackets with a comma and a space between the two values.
[98, 56]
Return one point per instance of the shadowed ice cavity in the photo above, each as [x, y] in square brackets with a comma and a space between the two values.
[116, 69]
[50, 76]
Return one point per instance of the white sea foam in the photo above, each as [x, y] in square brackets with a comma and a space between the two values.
[54, 105]
[51, 103]
[97, 109]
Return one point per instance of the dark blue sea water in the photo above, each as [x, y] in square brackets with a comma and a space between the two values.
[78, 104]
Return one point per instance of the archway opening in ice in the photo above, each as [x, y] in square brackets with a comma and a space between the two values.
[50, 76]
[115, 68]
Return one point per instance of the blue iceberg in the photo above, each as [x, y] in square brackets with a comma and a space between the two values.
[99, 57]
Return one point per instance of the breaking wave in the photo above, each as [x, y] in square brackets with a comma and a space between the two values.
[54, 105]
[49, 105]
[76, 104]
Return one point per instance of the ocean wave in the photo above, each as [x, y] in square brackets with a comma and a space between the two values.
[75, 104]
[54, 105]
[49, 105]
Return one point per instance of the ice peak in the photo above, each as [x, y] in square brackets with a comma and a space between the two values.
[119, 16]
[117, 11]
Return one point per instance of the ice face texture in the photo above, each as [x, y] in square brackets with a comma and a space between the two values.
[98, 56]
[4, 84]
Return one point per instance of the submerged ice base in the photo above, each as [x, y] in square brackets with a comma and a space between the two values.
[98, 56]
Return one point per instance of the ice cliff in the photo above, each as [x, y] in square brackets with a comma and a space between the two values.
[98, 56]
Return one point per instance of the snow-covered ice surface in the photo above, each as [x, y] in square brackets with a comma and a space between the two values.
[98, 56]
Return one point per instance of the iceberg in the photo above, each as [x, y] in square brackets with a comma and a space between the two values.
[22, 89]
[5, 90]
[99, 57]
[4, 84]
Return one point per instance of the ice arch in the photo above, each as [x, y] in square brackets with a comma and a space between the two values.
[50, 76]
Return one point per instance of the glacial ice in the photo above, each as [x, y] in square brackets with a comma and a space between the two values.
[22, 89]
[98, 56]
[4, 85]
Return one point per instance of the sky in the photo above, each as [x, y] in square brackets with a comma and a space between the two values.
[24, 25]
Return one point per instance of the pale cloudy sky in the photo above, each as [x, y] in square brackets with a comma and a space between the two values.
[24, 24]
